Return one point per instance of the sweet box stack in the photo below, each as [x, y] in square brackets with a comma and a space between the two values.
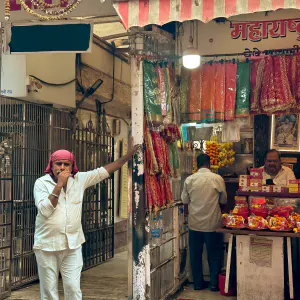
[294, 186]
[252, 182]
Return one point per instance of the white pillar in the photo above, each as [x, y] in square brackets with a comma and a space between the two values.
[140, 251]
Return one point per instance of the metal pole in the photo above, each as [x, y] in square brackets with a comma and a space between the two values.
[140, 228]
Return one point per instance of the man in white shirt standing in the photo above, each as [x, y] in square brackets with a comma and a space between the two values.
[58, 231]
[203, 194]
[273, 169]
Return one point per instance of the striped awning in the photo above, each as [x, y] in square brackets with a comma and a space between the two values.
[144, 12]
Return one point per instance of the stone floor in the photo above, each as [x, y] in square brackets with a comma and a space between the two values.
[109, 282]
[189, 294]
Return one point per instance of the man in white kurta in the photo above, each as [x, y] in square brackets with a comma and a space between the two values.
[58, 230]
[273, 169]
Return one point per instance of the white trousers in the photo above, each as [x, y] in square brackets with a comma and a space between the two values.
[69, 263]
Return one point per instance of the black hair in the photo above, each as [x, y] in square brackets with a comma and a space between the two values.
[273, 151]
[203, 160]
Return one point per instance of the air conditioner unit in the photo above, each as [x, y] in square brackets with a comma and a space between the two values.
[54, 37]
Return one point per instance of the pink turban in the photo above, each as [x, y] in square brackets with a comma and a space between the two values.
[62, 155]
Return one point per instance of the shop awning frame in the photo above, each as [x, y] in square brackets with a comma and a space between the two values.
[143, 12]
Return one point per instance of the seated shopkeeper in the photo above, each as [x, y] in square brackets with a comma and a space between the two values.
[273, 169]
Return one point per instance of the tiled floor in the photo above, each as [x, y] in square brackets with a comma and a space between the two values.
[189, 294]
[109, 282]
[105, 282]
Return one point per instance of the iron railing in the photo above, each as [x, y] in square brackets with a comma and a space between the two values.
[36, 131]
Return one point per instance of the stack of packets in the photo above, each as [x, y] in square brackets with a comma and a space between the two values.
[294, 186]
[254, 183]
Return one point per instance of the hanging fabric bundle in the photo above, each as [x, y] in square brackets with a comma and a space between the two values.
[166, 171]
[166, 191]
[230, 90]
[158, 149]
[276, 94]
[256, 80]
[194, 99]
[293, 73]
[220, 92]
[242, 90]
[153, 190]
[207, 92]
[152, 105]
[151, 162]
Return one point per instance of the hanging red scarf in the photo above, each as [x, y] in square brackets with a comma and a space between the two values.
[194, 99]
[276, 94]
[256, 81]
[220, 91]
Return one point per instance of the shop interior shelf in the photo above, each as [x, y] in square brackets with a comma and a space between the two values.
[259, 232]
[265, 194]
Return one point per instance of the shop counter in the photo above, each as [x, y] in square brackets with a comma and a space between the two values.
[260, 263]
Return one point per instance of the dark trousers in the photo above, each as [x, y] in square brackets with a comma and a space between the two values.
[213, 242]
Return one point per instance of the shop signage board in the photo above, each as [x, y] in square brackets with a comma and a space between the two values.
[255, 31]
[85, 8]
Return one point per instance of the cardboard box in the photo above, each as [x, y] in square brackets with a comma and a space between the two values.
[296, 181]
[240, 198]
[255, 189]
[278, 189]
[256, 172]
[294, 190]
[255, 182]
[244, 188]
[267, 188]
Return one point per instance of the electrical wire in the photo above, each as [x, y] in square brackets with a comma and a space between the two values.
[53, 84]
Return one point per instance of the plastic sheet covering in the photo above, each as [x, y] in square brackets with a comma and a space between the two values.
[176, 188]
[220, 92]
[276, 94]
[256, 81]
[184, 93]
[230, 90]
[174, 159]
[194, 102]
[186, 161]
[151, 93]
[175, 100]
[231, 132]
[242, 90]
[208, 88]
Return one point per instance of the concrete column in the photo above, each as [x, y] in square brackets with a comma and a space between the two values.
[140, 250]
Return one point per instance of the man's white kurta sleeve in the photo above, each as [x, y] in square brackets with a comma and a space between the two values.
[42, 201]
[93, 177]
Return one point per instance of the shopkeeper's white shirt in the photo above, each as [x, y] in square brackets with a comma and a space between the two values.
[204, 191]
[60, 228]
[282, 178]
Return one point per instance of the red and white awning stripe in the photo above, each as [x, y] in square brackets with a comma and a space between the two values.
[144, 12]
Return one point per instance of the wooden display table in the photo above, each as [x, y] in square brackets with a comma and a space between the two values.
[260, 263]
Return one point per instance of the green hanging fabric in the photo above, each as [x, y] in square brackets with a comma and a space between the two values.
[242, 90]
[152, 105]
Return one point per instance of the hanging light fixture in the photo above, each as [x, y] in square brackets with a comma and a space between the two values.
[191, 56]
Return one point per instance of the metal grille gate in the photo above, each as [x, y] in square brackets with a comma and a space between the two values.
[28, 134]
